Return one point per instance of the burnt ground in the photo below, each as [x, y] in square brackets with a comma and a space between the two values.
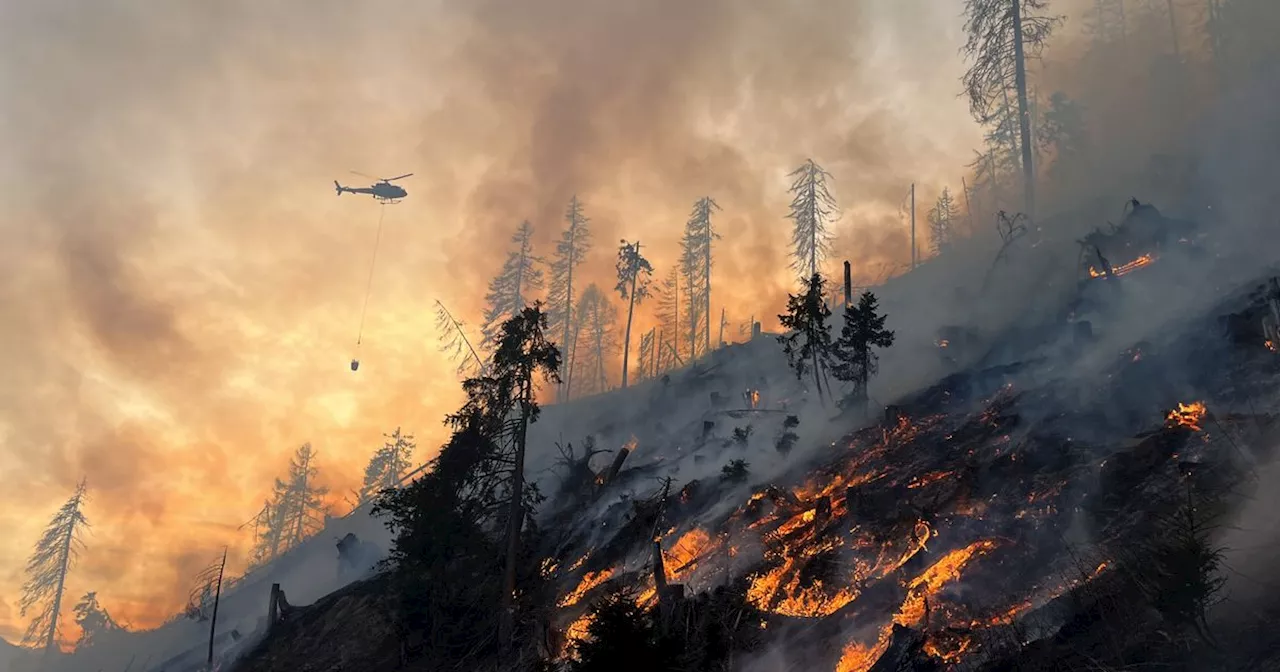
[990, 522]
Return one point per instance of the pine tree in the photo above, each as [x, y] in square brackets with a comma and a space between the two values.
[294, 512]
[670, 319]
[857, 362]
[54, 555]
[595, 341]
[574, 244]
[93, 619]
[388, 465]
[522, 354]
[512, 288]
[813, 209]
[634, 272]
[695, 264]
[1002, 35]
[941, 218]
[808, 343]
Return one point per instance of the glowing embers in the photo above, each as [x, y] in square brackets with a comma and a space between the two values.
[1187, 415]
[752, 398]
[1124, 269]
[589, 581]
[858, 657]
[1271, 345]
[925, 587]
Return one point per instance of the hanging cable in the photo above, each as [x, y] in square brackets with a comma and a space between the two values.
[369, 285]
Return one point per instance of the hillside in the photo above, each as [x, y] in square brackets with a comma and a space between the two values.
[1009, 503]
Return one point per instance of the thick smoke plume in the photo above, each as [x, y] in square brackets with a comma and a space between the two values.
[180, 289]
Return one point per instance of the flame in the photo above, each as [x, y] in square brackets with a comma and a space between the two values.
[589, 581]
[1187, 415]
[753, 398]
[942, 343]
[858, 657]
[683, 556]
[1124, 269]
[1272, 346]
[577, 630]
[932, 477]
[942, 572]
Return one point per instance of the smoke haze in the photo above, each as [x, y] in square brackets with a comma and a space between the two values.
[180, 290]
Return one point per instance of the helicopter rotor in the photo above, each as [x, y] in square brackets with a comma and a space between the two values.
[381, 179]
[392, 179]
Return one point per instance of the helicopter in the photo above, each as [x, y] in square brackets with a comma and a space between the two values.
[382, 190]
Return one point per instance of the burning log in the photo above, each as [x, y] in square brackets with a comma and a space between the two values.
[616, 466]
[905, 653]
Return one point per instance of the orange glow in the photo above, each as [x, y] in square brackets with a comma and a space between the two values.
[1187, 415]
[942, 572]
[1124, 269]
[1272, 346]
[591, 580]
[858, 657]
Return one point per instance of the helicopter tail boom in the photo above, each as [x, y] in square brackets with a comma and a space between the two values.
[338, 187]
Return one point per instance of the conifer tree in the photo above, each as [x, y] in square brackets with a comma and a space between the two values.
[595, 341]
[941, 218]
[695, 263]
[1063, 131]
[808, 341]
[1002, 36]
[574, 244]
[93, 619]
[670, 319]
[513, 287]
[455, 343]
[813, 209]
[634, 272]
[54, 555]
[854, 351]
[388, 465]
[295, 510]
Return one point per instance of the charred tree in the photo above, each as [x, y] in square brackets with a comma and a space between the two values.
[511, 289]
[854, 351]
[634, 272]
[54, 555]
[93, 620]
[808, 343]
[1002, 35]
[670, 320]
[813, 209]
[574, 244]
[695, 259]
[388, 465]
[941, 217]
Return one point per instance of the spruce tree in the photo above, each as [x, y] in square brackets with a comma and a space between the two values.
[595, 341]
[813, 209]
[854, 351]
[55, 554]
[513, 287]
[634, 272]
[808, 343]
[574, 244]
[93, 620]
[941, 219]
[388, 465]
[695, 262]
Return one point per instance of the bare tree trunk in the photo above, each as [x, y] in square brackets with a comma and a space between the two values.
[631, 309]
[51, 640]
[706, 297]
[217, 594]
[1024, 115]
[515, 519]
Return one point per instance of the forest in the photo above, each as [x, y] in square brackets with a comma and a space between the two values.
[777, 501]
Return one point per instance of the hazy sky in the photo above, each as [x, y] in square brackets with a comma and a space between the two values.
[180, 288]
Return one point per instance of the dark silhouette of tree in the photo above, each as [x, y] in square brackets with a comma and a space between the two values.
[388, 465]
[812, 209]
[854, 350]
[574, 244]
[1063, 131]
[294, 512]
[648, 362]
[54, 555]
[670, 319]
[941, 220]
[1002, 35]
[595, 340]
[634, 272]
[93, 619]
[523, 354]
[808, 343]
[454, 342]
[512, 288]
[695, 263]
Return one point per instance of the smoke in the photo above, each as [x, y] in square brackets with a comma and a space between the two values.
[181, 291]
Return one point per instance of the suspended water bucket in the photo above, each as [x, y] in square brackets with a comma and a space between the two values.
[355, 364]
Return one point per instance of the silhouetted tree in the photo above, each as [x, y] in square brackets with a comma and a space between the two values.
[93, 620]
[512, 288]
[295, 510]
[695, 260]
[388, 465]
[47, 569]
[862, 332]
[941, 218]
[454, 342]
[1002, 35]
[595, 340]
[648, 360]
[574, 244]
[808, 343]
[634, 272]
[1062, 130]
[670, 319]
[812, 210]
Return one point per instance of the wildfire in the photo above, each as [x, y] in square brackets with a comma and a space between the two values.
[1187, 415]
[683, 556]
[932, 477]
[591, 580]
[1272, 346]
[1124, 269]
[942, 572]
[577, 630]
[753, 398]
[858, 657]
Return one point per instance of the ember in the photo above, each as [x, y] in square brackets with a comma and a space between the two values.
[1187, 415]
[1117, 271]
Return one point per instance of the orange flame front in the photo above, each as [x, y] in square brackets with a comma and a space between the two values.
[1124, 269]
[1187, 415]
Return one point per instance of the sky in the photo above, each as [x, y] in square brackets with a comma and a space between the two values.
[181, 290]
